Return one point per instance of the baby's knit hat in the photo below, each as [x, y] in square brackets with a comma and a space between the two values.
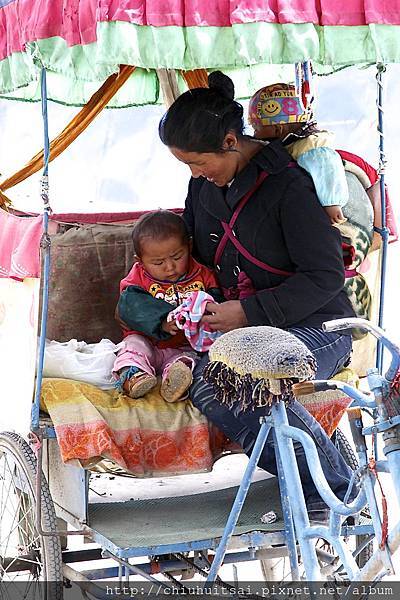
[277, 103]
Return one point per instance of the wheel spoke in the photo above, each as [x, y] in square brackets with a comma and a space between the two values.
[11, 531]
[19, 516]
[27, 508]
[13, 514]
[8, 490]
[26, 557]
[15, 589]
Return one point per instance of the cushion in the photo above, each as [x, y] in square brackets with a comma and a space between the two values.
[256, 366]
[87, 265]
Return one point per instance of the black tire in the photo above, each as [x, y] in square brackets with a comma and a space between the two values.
[343, 445]
[19, 536]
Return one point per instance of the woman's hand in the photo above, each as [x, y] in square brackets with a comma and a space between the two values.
[225, 317]
[169, 327]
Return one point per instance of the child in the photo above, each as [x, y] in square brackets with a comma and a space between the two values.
[164, 275]
[276, 112]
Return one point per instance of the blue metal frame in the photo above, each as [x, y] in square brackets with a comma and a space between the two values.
[250, 540]
[290, 533]
[239, 500]
[383, 231]
[285, 434]
[45, 252]
[292, 495]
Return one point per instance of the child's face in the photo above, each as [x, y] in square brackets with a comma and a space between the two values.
[266, 132]
[165, 260]
[277, 130]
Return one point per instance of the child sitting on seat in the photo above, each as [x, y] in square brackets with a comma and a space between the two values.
[275, 111]
[164, 275]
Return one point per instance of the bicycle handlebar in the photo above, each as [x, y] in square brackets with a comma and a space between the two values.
[380, 334]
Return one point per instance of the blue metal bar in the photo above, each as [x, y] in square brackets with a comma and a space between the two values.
[290, 536]
[384, 232]
[252, 539]
[374, 565]
[306, 534]
[348, 530]
[360, 398]
[320, 482]
[165, 566]
[238, 503]
[46, 142]
[45, 252]
[357, 431]
[378, 332]
[331, 535]
[295, 491]
[48, 432]
[135, 570]
[381, 427]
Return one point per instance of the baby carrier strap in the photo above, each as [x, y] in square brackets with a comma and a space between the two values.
[223, 241]
[259, 263]
[229, 233]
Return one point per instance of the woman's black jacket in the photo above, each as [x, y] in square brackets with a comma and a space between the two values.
[282, 224]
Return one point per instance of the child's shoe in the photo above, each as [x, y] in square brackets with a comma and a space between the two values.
[176, 382]
[139, 384]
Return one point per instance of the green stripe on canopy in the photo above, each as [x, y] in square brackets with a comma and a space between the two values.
[247, 50]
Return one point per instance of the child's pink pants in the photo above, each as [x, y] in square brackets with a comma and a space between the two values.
[138, 351]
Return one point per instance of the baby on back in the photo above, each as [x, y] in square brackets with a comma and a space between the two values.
[276, 111]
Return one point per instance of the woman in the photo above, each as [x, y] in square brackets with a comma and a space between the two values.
[282, 267]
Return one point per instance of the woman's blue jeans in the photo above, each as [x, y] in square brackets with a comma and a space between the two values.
[332, 352]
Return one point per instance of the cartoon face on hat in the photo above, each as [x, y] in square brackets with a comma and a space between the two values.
[276, 103]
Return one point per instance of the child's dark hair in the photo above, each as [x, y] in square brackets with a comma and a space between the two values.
[199, 119]
[158, 225]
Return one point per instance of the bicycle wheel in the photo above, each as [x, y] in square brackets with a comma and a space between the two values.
[29, 562]
[343, 445]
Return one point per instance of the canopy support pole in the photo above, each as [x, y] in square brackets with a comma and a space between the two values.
[383, 230]
[45, 253]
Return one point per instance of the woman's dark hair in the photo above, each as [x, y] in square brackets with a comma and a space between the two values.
[158, 225]
[199, 119]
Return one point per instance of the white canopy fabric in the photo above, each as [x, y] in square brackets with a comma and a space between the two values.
[118, 164]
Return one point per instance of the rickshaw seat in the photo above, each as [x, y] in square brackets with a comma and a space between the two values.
[107, 432]
[88, 260]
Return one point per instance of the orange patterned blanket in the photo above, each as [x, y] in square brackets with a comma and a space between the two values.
[150, 437]
[145, 437]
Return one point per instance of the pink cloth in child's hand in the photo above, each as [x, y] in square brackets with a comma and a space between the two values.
[187, 317]
[20, 245]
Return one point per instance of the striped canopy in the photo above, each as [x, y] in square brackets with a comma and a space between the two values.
[81, 42]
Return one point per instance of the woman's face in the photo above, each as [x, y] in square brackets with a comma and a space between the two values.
[218, 167]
